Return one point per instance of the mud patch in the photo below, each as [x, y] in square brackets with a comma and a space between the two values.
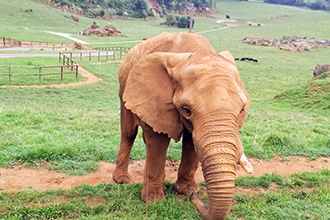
[18, 178]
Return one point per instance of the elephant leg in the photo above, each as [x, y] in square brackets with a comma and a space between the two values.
[154, 171]
[188, 166]
[128, 134]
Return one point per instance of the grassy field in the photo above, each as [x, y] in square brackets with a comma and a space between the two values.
[71, 129]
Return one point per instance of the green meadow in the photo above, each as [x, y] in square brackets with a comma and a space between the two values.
[71, 129]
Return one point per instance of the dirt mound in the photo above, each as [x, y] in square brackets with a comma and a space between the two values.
[108, 30]
[20, 178]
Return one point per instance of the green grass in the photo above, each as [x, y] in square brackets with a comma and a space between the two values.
[73, 128]
[309, 204]
[294, 199]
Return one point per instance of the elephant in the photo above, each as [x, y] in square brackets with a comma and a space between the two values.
[174, 86]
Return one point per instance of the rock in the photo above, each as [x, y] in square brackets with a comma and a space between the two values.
[319, 69]
[108, 30]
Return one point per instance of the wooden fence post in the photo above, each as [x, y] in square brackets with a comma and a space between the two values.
[61, 72]
[76, 71]
[9, 73]
[40, 74]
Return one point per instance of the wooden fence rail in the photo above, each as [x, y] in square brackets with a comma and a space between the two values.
[66, 58]
[121, 50]
[8, 42]
[9, 71]
[113, 53]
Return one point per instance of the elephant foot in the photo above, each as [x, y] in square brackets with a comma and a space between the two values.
[152, 195]
[120, 177]
[186, 187]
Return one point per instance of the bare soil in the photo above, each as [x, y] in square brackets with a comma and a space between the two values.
[17, 178]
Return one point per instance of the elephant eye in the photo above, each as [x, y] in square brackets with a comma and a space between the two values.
[186, 110]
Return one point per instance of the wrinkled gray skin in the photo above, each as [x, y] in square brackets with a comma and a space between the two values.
[176, 86]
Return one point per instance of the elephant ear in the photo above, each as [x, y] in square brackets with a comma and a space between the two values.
[228, 56]
[149, 91]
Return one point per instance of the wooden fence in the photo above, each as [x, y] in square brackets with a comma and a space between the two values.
[69, 66]
[104, 53]
[10, 71]
[8, 42]
[119, 52]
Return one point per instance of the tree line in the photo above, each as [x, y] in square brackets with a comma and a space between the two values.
[314, 5]
[132, 8]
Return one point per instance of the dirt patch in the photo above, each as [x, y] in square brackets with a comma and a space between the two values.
[20, 178]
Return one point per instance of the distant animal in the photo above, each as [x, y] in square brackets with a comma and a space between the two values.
[227, 16]
[247, 59]
[319, 69]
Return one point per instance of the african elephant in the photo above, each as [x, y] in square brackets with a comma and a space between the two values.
[175, 85]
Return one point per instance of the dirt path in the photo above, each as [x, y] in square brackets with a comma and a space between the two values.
[67, 36]
[20, 178]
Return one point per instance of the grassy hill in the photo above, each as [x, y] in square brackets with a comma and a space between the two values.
[72, 129]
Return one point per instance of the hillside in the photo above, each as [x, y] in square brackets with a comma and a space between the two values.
[128, 8]
[314, 95]
[28, 20]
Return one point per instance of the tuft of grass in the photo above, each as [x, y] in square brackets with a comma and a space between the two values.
[98, 202]
[290, 205]
[312, 96]
[303, 179]
[263, 181]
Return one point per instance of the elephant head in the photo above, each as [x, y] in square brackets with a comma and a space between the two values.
[200, 90]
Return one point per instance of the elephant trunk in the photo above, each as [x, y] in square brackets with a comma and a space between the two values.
[216, 148]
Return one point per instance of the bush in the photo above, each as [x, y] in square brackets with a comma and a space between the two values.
[318, 5]
[183, 22]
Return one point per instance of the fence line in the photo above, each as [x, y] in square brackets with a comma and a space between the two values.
[121, 50]
[60, 70]
[8, 42]
[66, 58]
[107, 52]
